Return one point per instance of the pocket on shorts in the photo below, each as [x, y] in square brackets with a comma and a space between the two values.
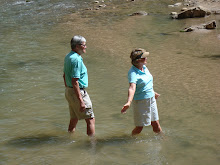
[86, 99]
[82, 92]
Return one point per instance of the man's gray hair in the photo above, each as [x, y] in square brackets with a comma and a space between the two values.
[77, 40]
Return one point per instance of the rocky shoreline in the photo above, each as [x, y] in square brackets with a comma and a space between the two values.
[211, 5]
[197, 9]
[181, 10]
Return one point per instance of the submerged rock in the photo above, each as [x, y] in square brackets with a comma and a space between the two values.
[141, 13]
[170, 5]
[189, 29]
[175, 5]
[208, 26]
[184, 9]
[191, 13]
[217, 11]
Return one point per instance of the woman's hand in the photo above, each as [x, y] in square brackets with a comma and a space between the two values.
[125, 107]
[156, 95]
[131, 91]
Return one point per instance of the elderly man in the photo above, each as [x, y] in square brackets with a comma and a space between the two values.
[76, 80]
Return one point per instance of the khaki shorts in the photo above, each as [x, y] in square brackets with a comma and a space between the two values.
[145, 111]
[74, 104]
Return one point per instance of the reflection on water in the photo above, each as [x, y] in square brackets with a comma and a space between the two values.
[34, 114]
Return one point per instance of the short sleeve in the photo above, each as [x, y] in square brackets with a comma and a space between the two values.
[132, 78]
[76, 68]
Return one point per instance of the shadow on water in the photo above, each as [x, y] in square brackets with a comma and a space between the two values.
[213, 57]
[120, 140]
[31, 141]
[26, 63]
[115, 140]
[36, 140]
[34, 62]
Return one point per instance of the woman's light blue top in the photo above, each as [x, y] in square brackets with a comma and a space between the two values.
[143, 81]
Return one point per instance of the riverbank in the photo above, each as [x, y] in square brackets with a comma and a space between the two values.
[212, 5]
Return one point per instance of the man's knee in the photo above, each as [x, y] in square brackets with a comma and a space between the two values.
[90, 126]
[90, 121]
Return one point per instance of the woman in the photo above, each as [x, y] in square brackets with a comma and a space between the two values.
[141, 90]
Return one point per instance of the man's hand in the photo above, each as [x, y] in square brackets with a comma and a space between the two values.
[82, 106]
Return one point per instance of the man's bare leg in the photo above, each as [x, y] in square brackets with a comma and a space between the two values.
[72, 125]
[90, 126]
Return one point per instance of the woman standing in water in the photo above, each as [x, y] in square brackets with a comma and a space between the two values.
[141, 90]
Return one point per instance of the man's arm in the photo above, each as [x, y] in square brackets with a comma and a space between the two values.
[64, 79]
[76, 88]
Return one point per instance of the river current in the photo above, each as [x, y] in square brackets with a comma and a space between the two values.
[34, 114]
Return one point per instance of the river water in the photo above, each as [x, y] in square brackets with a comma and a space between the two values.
[35, 38]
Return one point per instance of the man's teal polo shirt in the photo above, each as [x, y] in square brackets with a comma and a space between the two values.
[143, 81]
[75, 68]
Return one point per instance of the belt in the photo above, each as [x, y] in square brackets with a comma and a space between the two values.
[79, 88]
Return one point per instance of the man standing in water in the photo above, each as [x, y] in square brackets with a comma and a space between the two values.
[76, 80]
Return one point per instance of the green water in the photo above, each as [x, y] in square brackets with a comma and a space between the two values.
[185, 66]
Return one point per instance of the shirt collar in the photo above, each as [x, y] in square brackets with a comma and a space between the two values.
[72, 52]
[138, 70]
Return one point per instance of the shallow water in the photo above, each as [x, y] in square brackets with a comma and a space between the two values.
[34, 113]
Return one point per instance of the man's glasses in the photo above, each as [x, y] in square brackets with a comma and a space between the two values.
[84, 45]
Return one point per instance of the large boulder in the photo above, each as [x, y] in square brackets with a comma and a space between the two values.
[191, 13]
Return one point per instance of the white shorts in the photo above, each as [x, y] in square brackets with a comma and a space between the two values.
[145, 111]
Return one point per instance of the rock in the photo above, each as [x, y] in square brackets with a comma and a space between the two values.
[96, 1]
[191, 13]
[88, 9]
[184, 9]
[174, 15]
[216, 11]
[102, 5]
[210, 25]
[177, 4]
[141, 13]
[189, 29]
